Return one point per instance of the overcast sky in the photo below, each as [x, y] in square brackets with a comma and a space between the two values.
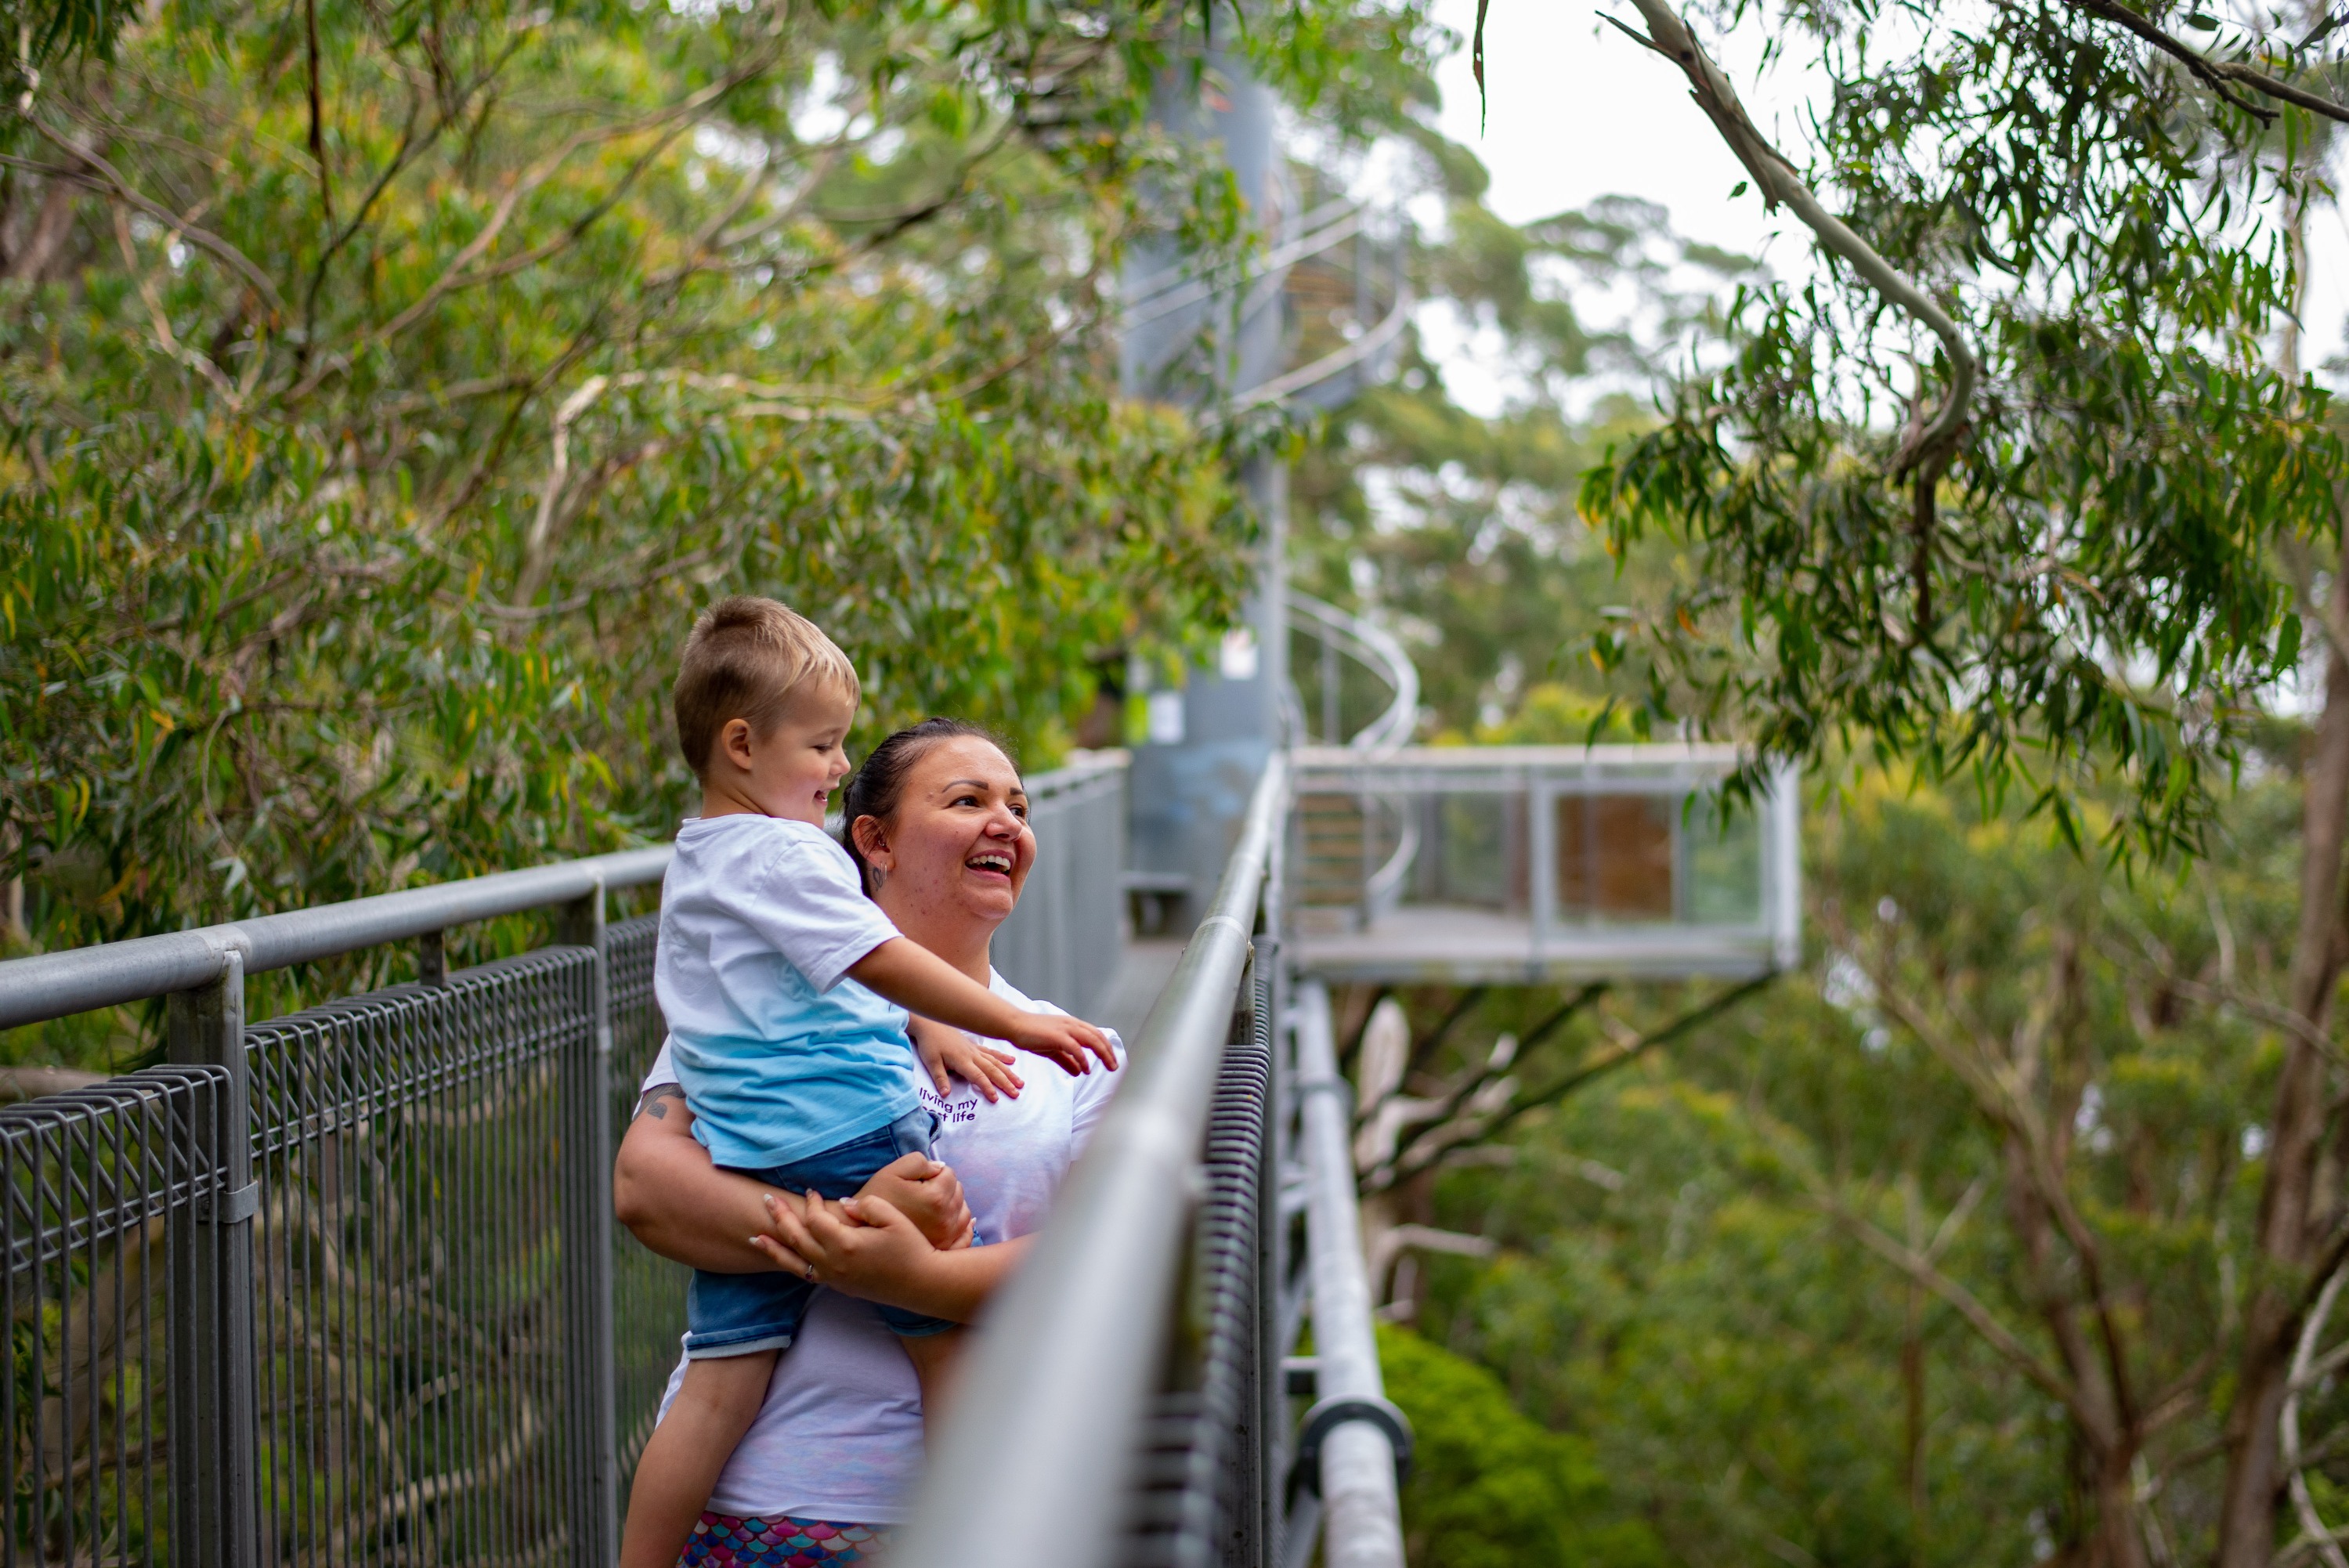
[1578, 110]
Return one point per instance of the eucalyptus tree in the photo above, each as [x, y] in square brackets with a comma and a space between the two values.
[1922, 1254]
[385, 386]
[2019, 492]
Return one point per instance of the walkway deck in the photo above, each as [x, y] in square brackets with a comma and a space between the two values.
[1448, 944]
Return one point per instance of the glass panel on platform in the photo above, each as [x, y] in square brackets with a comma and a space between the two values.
[1472, 851]
[1615, 857]
[1720, 850]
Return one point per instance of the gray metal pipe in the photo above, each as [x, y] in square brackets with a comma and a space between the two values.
[1363, 1516]
[1037, 1453]
[59, 984]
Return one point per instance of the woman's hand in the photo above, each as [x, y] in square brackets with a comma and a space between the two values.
[884, 1257]
[877, 1247]
[944, 1050]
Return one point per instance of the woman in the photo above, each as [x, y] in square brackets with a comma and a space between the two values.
[937, 822]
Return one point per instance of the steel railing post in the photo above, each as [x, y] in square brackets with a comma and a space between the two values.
[591, 1451]
[215, 1432]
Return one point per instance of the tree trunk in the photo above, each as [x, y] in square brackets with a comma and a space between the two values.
[47, 239]
[1912, 1426]
[2287, 1223]
[2120, 1543]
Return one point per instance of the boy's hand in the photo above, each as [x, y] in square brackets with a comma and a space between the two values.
[924, 1191]
[1065, 1040]
[945, 1049]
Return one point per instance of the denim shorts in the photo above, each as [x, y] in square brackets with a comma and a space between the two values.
[741, 1314]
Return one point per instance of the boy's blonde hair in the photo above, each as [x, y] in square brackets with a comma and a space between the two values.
[744, 659]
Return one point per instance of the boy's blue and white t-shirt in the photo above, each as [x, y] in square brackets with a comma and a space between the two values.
[779, 1053]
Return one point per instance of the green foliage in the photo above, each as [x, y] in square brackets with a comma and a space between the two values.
[1691, 1289]
[1490, 1488]
[373, 431]
[41, 35]
[2093, 584]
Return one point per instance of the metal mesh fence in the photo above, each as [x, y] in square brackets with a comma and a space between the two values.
[107, 1191]
[647, 1290]
[1065, 940]
[411, 1332]
[1202, 1500]
[409, 1306]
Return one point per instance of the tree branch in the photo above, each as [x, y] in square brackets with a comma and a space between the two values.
[1427, 1153]
[1928, 448]
[1471, 1082]
[2215, 74]
[317, 111]
[2002, 1339]
[456, 274]
[96, 173]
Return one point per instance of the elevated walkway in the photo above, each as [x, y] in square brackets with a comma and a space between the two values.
[224, 1269]
[344, 1286]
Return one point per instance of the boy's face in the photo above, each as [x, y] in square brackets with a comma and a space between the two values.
[789, 771]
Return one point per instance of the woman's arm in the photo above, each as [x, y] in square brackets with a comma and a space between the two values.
[884, 1257]
[676, 1201]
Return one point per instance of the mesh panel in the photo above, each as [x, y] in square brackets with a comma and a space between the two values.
[1067, 937]
[1198, 1500]
[648, 1291]
[410, 1311]
[100, 1188]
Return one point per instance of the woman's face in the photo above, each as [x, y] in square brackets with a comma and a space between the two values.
[958, 843]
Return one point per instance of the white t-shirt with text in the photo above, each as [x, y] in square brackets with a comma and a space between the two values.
[840, 1436]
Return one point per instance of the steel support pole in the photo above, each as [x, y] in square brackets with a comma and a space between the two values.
[1362, 1510]
[215, 1432]
[593, 1436]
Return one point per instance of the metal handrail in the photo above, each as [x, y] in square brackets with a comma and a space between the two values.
[59, 984]
[1305, 377]
[1358, 1429]
[1068, 1352]
[1660, 759]
[1382, 889]
[1370, 645]
[1342, 217]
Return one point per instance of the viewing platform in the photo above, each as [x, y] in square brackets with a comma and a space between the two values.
[1539, 864]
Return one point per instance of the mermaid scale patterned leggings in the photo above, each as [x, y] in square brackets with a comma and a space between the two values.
[721, 1541]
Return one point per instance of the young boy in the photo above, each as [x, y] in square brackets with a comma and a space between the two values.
[785, 992]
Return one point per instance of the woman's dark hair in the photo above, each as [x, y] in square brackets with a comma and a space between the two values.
[880, 784]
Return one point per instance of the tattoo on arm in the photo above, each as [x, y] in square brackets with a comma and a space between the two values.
[655, 1102]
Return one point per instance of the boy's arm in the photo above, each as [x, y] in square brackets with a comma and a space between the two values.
[919, 981]
[886, 1259]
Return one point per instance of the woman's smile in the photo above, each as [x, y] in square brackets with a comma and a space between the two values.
[991, 864]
